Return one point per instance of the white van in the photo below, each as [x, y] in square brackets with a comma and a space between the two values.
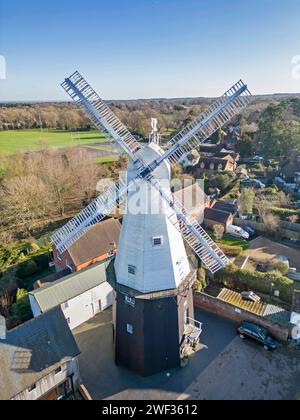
[237, 232]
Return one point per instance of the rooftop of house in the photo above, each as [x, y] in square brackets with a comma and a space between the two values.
[51, 278]
[271, 312]
[218, 216]
[290, 167]
[227, 207]
[192, 197]
[99, 240]
[208, 162]
[34, 350]
[69, 287]
[209, 148]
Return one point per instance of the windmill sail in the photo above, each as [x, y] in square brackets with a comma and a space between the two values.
[98, 210]
[201, 243]
[220, 113]
[192, 136]
[100, 114]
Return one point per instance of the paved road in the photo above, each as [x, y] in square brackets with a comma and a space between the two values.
[224, 368]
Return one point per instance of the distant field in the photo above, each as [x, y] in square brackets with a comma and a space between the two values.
[26, 140]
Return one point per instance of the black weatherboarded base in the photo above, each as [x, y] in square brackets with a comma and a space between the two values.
[156, 328]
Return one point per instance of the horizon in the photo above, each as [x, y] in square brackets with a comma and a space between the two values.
[62, 101]
[147, 49]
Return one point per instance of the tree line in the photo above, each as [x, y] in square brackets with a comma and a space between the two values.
[45, 186]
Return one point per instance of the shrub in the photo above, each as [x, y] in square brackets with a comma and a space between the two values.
[27, 269]
[234, 191]
[42, 261]
[244, 280]
[32, 247]
[21, 309]
[201, 282]
[232, 251]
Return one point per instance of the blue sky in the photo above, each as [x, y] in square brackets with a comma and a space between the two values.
[148, 48]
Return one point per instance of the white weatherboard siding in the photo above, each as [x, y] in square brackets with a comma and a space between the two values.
[50, 382]
[160, 267]
[83, 307]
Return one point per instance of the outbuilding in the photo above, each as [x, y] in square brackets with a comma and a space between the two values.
[80, 295]
[214, 217]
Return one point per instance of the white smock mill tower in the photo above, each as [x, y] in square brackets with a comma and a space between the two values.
[153, 308]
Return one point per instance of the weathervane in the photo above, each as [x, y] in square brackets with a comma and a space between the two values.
[154, 137]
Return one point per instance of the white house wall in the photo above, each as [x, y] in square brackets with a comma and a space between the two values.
[83, 307]
[50, 382]
[36, 310]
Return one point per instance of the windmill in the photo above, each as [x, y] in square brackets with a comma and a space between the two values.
[153, 311]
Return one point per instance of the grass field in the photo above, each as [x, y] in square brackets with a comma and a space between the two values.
[107, 159]
[24, 140]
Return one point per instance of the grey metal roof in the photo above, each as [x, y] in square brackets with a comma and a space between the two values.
[33, 350]
[71, 286]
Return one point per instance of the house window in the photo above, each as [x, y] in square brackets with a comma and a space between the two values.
[130, 301]
[32, 388]
[132, 270]
[69, 265]
[58, 370]
[157, 241]
[59, 257]
[129, 329]
[66, 305]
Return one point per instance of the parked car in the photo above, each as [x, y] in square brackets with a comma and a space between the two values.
[257, 334]
[250, 297]
[257, 159]
[253, 183]
[249, 230]
[237, 232]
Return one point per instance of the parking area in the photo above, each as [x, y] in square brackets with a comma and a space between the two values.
[262, 249]
[224, 367]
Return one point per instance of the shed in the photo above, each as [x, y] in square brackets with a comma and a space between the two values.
[81, 295]
[213, 217]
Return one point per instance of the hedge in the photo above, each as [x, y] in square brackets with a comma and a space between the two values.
[244, 280]
[232, 251]
[284, 214]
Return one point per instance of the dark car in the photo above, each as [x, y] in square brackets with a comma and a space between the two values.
[253, 183]
[249, 230]
[258, 334]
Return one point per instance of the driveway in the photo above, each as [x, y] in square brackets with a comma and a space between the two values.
[264, 249]
[224, 367]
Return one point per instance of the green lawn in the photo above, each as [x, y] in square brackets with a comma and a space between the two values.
[107, 159]
[23, 140]
[230, 241]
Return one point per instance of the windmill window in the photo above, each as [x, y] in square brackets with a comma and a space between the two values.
[132, 270]
[129, 329]
[157, 241]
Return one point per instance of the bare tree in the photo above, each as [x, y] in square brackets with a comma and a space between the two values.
[219, 231]
[5, 302]
[246, 201]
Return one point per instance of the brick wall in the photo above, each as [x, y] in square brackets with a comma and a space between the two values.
[226, 310]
